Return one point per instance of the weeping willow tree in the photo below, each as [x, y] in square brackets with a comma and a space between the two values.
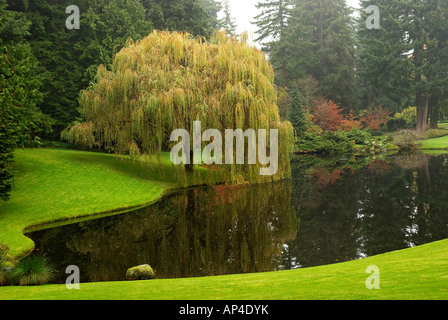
[167, 81]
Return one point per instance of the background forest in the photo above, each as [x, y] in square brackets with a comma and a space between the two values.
[337, 79]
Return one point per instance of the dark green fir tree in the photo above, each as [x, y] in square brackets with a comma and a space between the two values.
[297, 113]
[20, 85]
[384, 63]
[179, 15]
[212, 8]
[227, 22]
[319, 42]
[272, 21]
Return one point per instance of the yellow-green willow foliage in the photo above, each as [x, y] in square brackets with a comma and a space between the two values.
[168, 80]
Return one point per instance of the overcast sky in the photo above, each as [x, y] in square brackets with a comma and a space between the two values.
[244, 11]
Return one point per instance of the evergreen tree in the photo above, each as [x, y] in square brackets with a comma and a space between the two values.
[19, 92]
[180, 15]
[427, 34]
[437, 59]
[212, 8]
[416, 24]
[405, 62]
[272, 21]
[297, 113]
[69, 58]
[319, 42]
[227, 22]
[383, 57]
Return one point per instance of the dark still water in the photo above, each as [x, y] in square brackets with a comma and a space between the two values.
[330, 211]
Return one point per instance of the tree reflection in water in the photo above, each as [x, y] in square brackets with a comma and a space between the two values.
[330, 211]
[385, 205]
[196, 232]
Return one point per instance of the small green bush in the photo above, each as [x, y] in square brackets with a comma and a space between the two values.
[332, 143]
[337, 143]
[377, 133]
[360, 137]
[409, 116]
[397, 124]
[308, 142]
[406, 139]
[33, 270]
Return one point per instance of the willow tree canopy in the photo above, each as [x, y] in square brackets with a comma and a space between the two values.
[167, 81]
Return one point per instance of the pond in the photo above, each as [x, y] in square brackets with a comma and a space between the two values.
[330, 211]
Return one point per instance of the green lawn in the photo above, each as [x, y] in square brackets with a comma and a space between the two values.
[417, 273]
[435, 143]
[53, 184]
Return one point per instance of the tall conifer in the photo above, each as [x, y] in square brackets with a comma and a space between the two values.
[384, 63]
[20, 85]
[319, 42]
[272, 20]
[212, 8]
[228, 22]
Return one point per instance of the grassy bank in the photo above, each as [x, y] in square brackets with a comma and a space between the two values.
[411, 274]
[431, 140]
[54, 184]
[440, 143]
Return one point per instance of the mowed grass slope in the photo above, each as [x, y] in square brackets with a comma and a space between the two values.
[53, 184]
[437, 139]
[419, 273]
[440, 143]
[59, 184]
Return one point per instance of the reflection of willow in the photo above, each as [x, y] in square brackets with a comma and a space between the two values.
[199, 232]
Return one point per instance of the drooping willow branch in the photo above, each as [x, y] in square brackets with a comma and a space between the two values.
[167, 81]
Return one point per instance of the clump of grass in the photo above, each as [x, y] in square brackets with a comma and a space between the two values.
[33, 270]
[3, 258]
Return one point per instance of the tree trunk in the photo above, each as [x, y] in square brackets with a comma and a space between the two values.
[422, 104]
[420, 111]
[434, 117]
[425, 113]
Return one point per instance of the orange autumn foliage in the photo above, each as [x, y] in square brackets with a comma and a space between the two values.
[376, 118]
[328, 116]
[349, 122]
